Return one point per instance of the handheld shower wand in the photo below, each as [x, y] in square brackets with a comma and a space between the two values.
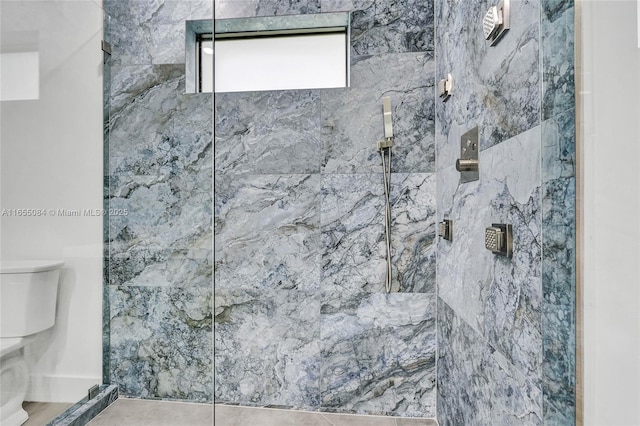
[384, 147]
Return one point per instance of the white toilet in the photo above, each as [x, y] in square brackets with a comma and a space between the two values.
[28, 292]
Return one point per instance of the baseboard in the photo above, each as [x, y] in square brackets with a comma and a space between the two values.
[68, 389]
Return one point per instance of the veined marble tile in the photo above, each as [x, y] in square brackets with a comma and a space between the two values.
[559, 146]
[225, 9]
[559, 319]
[496, 88]
[267, 348]
[249, 8]
[128, 82]
[268, 132]
[161, 212]
[558, 68]
[337, 5]
[287, 7]
[388, 26]
[558, 165]
[410, 70]
[261, 112]
[161, 342]
[106, 334]
[559, 268]
[517, 162]
[448, 181]
[558, 203]
[500, 298]
[173, 266]
[156, 128]
[147, 31]
[476, 383]
[201, 9]
[352, 120]
[267, 232]
[353, 233]
[378, 26]
[378, 354]
[447, 134]
[464, 284]
[555, 417]
[512, 318]
[160, 179]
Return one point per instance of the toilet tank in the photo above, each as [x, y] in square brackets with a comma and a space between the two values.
[28, 293]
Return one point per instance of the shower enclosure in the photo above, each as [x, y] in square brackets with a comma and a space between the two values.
[238, 254]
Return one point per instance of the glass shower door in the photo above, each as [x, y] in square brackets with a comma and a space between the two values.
[50, 182]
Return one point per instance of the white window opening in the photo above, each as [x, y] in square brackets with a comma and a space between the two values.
[299, 61]
[308, 51]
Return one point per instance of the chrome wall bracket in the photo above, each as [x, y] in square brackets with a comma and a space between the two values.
[446, 229]
[499, 239]
[106, 47]
[445, 86]
[385, 143]
[467, 164]
[93, 392]
[496, 22]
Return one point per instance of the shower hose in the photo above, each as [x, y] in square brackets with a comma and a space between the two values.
[386, 172]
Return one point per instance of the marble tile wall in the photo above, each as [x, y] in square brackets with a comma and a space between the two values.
[506, 327]
[490, 306]
[301, 316]
[159, 268]
[558, 212]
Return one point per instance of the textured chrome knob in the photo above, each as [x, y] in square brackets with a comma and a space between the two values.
[466, 165]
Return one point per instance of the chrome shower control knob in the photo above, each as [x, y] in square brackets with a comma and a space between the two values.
[446, 229]
[466, 165]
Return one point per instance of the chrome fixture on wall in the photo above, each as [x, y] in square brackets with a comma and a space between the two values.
[445, 86]
[496, 22]
[467, 164]
[446, 229]
[499, 239]
[384, 147]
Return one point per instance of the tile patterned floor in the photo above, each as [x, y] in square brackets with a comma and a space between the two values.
[244, 416]
[41, 413]
[136, 412]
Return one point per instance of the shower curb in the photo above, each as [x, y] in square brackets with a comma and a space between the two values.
[85, 410]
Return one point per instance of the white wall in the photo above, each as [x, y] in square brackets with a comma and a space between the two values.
[51, 158]
[611, 115]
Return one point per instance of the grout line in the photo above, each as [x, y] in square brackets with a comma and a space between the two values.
[327, 419]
